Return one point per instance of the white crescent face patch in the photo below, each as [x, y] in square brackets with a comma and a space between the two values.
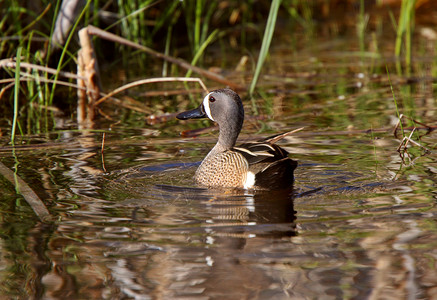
[206, 106]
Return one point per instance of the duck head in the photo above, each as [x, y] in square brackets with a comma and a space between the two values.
[224, 107]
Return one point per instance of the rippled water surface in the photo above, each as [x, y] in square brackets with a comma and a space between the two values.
[357, 224]
[129, 223]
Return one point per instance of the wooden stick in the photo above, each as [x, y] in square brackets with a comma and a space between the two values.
[29, 195]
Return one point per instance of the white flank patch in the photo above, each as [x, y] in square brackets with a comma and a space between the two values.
[206, 106]
[250, 180]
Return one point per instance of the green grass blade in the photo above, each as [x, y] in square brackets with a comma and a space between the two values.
[211, 8]
[197, 22]
[52, 28]
[396, 103]
[400, 28]
[16, 93]
[405, 25]
[168, 18]
[64, 49]
[188, 10]
[268, 34]
[408, 33]
[167, 50]
[202, 48]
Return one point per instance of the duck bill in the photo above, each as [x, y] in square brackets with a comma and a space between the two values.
[196, 113]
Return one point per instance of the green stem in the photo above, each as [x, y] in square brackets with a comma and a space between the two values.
[197, 23]
[167, 50]
[268, 34]
[16, 93]
[202, 48]
[64, 50]
[394, 98]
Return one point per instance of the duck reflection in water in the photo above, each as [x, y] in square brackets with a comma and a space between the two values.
[238, 235]
[238, 212]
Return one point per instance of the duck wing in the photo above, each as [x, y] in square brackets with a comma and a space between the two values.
[260, 152]
[265, 150]
[269, 162]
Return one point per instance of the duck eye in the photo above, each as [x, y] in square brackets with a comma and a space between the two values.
[211, 99]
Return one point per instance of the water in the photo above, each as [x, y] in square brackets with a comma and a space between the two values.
[130, 223]
[356, 225]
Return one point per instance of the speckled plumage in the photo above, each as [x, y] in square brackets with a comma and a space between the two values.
[227, 168]
[259, 164]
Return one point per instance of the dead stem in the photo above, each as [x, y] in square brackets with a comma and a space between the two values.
[150, 80]
[429, 128]
[64, 83]
[87, 67]
[11, 82]
[167, 93]
[279, 137]
[403, 146]
[177, 61]
[402, 149]
[9, 63]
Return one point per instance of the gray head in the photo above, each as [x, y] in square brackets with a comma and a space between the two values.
[224, 107]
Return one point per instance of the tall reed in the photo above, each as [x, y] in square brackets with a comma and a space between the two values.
[405, 28]
[198, 15]
[65, 47]
[268, 34]
[16, 94]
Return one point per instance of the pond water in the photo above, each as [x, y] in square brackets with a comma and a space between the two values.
[129, 223]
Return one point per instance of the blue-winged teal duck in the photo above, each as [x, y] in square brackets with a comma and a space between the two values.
[260, 164]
